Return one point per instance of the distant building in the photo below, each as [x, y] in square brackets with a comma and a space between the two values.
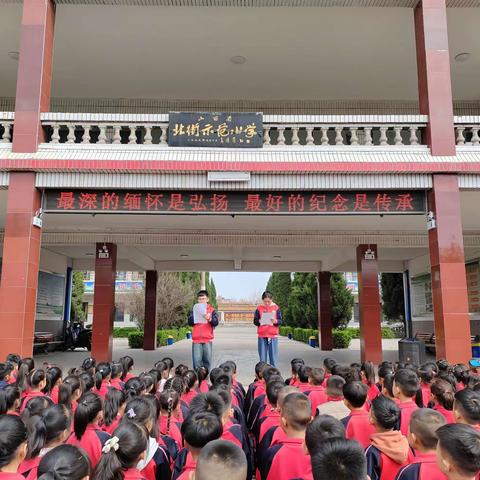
[235, 312]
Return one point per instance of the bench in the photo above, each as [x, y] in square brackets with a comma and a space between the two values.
[429, 340]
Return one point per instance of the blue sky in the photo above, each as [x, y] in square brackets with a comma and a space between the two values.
[240, 285]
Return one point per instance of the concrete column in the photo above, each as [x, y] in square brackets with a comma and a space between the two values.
[20, 264]
[150, 325]
[324, 311]
[447, 262]
[104, 301]
[433, 68]
[34, 73]
[369, 305]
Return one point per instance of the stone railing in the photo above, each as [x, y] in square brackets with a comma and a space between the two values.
[279, 130]
[467, 130]
[6, 127]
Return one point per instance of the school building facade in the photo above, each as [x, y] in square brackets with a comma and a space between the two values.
[349, 141]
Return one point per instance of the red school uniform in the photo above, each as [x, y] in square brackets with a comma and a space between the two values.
[406, 410]
[267, 422]
[117, 383]
[204, 387]
[173, 432]
[103, 390]
[373, 392]
[111, 428]
[133, 474]
[184, 465]
[11, 476]
[28, 397]
[426, 394]
[448, 414]
[92, 442]
[54, 394]
[423, 467]
[28, 468]
[203, 332]
[188, 397]
[267, 331]
[157, 462]
[128, 376]
[317, 396]
[358, 427]
[232, 432]
[286, 460]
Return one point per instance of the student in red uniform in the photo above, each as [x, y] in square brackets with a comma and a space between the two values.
[442, 397]
[466, 407]
[65, 462]
[14, 360]
[271, 415]
[122, 453]
[103, 373]
[389, 449]
[116, 376]
[367, 373]
[202, 334]
[6, 370]
[202, 375]
[288, 459]
[268, 332]
[13, 446]
[405, 387]
[10, 400]
[127, 363]
[169, 410]
[221, 460]
[87, 433]
[458, 451]
[303, 376]
[334, 405]
[191, 386]
[316, 391]
[197, 430]
[295, 364]
[54, 380]
[357, 424]
[45, 433]
[156, 463]
[70, 391]
[422, 437]
[35, 407]
[322, 427]
[113, 409]
[36, 381]
[339, 459]
[427, 375]
[25, 366]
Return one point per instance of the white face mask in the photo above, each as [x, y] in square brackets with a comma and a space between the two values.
[152, 448]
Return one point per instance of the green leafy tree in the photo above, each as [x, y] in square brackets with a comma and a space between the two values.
[77, 313]
[280, 285]
[212, 291]
[392, 296]
[342, 300]
[302, 310]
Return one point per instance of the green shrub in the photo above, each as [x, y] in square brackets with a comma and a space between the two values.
[123, 332]
[387, 332]
[341, 338]
[135, 339]
[284, 331]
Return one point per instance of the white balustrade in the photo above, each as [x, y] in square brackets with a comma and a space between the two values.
[7, 132]
[468, 135]
[330, 133]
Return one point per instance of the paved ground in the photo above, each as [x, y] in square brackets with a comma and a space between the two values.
[235, 342]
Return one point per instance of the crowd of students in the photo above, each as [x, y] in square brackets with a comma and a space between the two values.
[342, 422]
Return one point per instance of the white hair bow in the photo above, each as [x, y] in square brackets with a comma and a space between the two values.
[111, 444]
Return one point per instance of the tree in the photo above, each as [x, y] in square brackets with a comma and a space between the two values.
[280, 285]
[342, 300]
[302, 310]
[134, 305]
[392, 296]
[77, 313]
[174, 299]
[212, 291]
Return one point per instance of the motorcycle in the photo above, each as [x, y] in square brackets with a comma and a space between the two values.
[77, 336]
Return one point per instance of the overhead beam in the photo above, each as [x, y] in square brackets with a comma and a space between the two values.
[134, 255]
[226, 266]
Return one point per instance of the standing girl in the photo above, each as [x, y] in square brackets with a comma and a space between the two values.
[102, 378]
[36, 381]
[65, 462]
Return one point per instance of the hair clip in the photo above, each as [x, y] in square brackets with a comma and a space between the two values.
[131, 413]
[111, 444]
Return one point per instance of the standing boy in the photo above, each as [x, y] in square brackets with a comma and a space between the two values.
[405, 386]
[268, 318]
[202, 335]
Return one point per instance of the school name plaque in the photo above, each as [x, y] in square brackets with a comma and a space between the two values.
[238, 203]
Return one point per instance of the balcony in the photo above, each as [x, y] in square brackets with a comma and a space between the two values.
[282, 131]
